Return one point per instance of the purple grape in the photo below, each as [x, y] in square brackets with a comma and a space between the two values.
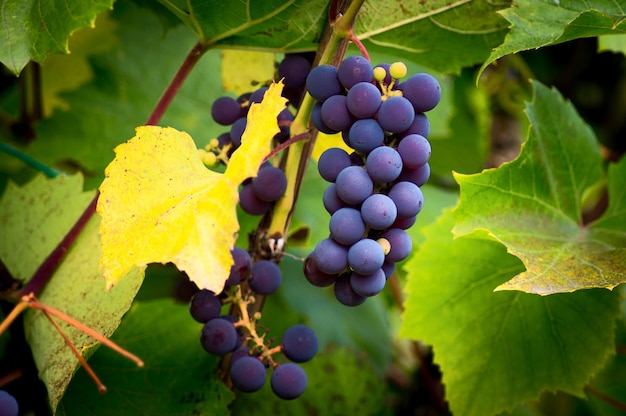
[248, 374]
[316, 118]
[396, 114]
[257, 96]
[404, 223]
[331, 200]
[8, 404]
[236, 131]
[386, 67]
[365, 135]
[294, 69]
[315, 276]
[204, 306]
[330, 256]
[284, 124]
[323, 82]
[355, 69]
[364, 100]
[366, 256]
[378, 211]
[422, 90]
[408, 198]
[420, 126]
[414, 150]
[299, 343]
[270, 184]
[388, 268]
[335, 113]
[400, 242]
[368, 285]
[219, 336]
[225, 111]
[346, 225]
[251, 203]
[266, 277]
[383, 164]
[345, 294]
[288, 381]
[243, 351]
[353, 185]
[417, 176]
[331, 162]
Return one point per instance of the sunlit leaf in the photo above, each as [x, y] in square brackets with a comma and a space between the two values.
[534, 205]
[497, 349]
[159, 203]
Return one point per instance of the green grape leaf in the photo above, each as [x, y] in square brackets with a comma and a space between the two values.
[444, 35]
[255, 24]
[36, 218]
[534, 205]
[179, 377]
[614, 43]
[538, 23]
[31, 29]
[101, 114]
[497, 349]
[159, 203]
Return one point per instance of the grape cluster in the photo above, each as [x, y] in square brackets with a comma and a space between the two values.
[8, 404]
[374, 193]
[250, 354]
[257, 195]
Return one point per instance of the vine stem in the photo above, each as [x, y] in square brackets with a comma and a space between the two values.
[29, 161]
[168, 95]
[606, 398]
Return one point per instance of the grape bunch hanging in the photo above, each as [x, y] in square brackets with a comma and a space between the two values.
[375, 194]
[236, 334]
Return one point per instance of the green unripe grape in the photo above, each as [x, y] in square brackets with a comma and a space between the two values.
[209, 159]
[379, 74]
[397, 70]
[214, 143]
[384, 243]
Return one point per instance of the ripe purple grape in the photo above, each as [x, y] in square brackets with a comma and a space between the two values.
[408, 198]
[225, 111]
[204, 306]
[417, 176]
[335, 113]
[353, 185]
[219, 336]
[250, 202]
[316, 118]
[240, 269]
[294, 69]
[422, 90]
[368, 285]
[365, 135]
[315, 276]
[299, 343]
[270, 184]
[354, 69]
[345, 294]
[331, 200]
[266, 277]
[396, 114]
[378, 212]
[257, 96]
[8, 404]
[323, 82]
[363, 100]
[331, 162]
[236, 131]
[347, 226]
[288, 381]
[414, 150]
[401, 244]
[248, 374]
[330, 256]
[420, 125]
[366, 256]
[383, 164]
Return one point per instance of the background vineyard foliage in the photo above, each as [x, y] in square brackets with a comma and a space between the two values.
[550, 74]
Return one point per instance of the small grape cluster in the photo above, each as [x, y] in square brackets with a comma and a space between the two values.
[251, 353]
[375, 192]
[257, 195]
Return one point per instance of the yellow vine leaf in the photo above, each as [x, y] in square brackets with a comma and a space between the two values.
[160, 204]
